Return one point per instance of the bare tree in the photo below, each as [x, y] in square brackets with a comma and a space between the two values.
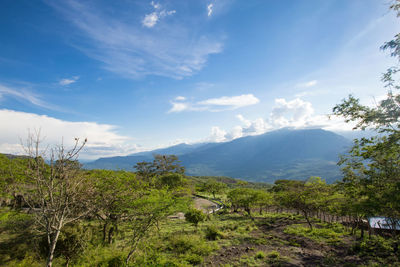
[56, 192]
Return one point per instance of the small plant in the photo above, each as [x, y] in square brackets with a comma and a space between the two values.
[194, 259]
[183, 244]
[260, 255]
[195, 216]
[212, 233]
[273, 255]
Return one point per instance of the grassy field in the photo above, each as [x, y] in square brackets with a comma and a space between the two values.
[224, 239]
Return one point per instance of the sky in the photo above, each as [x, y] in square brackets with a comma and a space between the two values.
[137, 75]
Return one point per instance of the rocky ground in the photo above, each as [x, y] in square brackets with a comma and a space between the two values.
[269, 245]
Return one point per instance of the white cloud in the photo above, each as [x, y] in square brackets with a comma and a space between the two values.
[180, 98]
[307, 84]
[68, 81]
[297, 114]
[24, 95]
[217, 135]
[291, 113]
[216, 104]
[178, 107]
[232, 101]
[150, 20]
[127, 48]
[246, 123]
[155, 5]
[102, 138]
[210, 9]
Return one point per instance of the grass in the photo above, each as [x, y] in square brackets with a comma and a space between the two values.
[257, 242]
[321, 232]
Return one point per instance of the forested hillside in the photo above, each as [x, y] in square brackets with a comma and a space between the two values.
[281, 154]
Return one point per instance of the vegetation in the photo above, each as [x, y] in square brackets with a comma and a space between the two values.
[54, 213]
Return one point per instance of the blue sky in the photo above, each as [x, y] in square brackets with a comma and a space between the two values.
[136, 75]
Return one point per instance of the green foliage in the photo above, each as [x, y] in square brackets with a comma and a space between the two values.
[189, 244]
[311, 195]
[245, 198]
[378, 249]
[273, 254]
[70, 245]
[195, 216]
[172, 180]
[162, 164]
[372, 167]
[260, 255]
[214, 187]
[213, 233]
[323, 233]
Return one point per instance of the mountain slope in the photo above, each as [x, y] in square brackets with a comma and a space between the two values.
[289, 154]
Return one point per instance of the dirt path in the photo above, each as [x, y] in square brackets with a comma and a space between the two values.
[205, 205]
[293, 250]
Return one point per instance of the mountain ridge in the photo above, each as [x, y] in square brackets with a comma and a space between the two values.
[279, 154]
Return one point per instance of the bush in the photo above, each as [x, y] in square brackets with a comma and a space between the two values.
[376, 247]
[189, 244]
[194, 259]
[260, 255]
[116, 261]
[212, 233]
[273, 254]
[195, 216]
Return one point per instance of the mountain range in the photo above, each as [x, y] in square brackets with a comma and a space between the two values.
[280, 154]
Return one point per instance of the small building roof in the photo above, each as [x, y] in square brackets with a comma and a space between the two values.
[384, 223]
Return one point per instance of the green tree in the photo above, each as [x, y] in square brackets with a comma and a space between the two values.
[172, 180]
[264, 200]
[214, 187]
[161, 165]
[195, 216]
[114, 193]
[145, 213]
[372, 167]
[244, 198]
[307, 197]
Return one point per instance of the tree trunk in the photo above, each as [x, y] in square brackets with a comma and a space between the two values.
[130, 254]
[308, 220]
[105, 232]
[52, 248]
[110, 234]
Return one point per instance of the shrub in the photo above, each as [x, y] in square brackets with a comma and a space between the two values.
[194, 259]
[375, 247]
[182, 244]
[195, 216]
[212, 233]
[273, 255]
[116, 261]
[260, 255]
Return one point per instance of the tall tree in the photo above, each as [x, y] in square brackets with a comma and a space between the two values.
[56, 192]
[214, 187]
[373, 164]
[306, 197]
